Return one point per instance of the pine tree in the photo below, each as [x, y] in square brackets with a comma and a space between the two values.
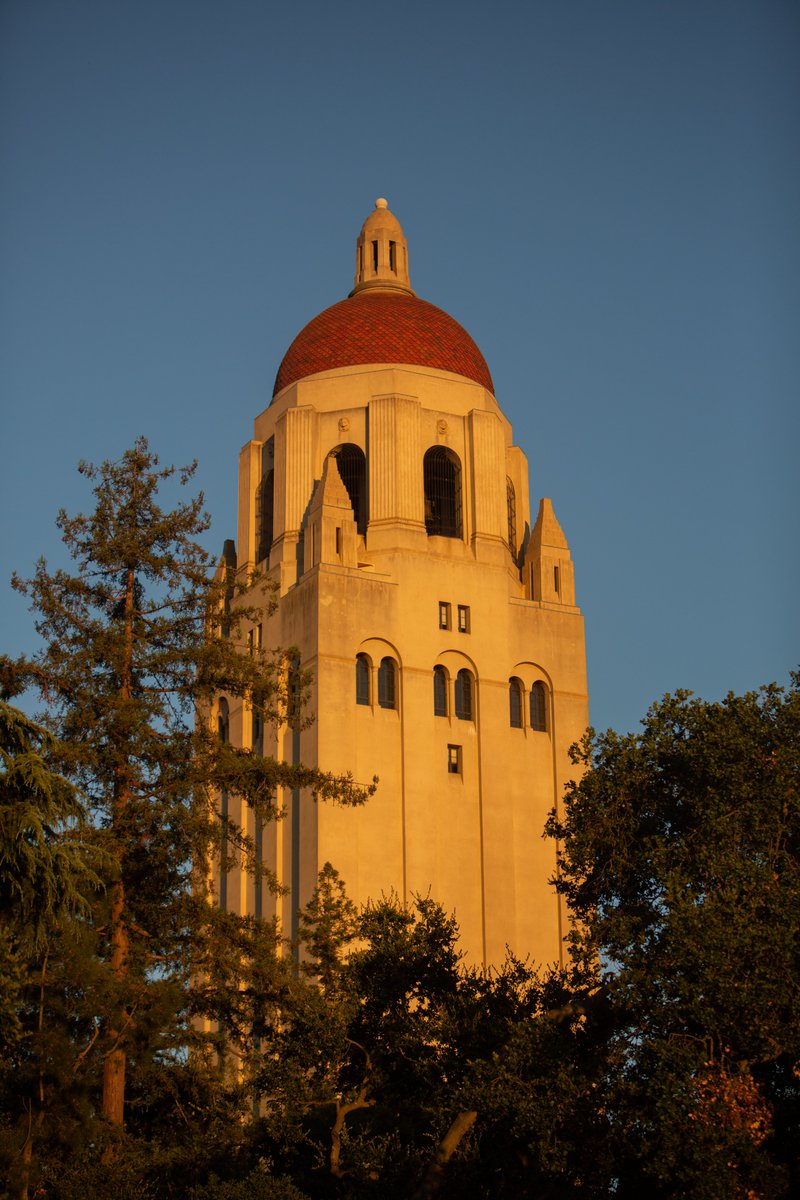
[138, 642]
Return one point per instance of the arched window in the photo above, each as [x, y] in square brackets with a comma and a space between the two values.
[265, 506]
[515, 703]
[353, 469]
[223, 720]
[511, 505]
[439, 692]
[442, 479]
[464, 695]
[363, 673]
[387, 683]
[539, 706]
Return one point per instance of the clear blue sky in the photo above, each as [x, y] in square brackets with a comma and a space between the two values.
[607, 196]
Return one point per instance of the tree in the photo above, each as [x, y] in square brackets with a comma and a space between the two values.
[398, 1071]
[47, 873]
[679, 860]
[45, 868]
[138, 640]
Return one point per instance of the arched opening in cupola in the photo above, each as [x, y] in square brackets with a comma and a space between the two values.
[442, 481]
[352, 464]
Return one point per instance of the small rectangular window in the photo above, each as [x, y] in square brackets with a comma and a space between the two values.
[454, 760]
[463, 618]
[375, 256]
[557, 580]
[339, 541]
[444, 614]
[393, 256]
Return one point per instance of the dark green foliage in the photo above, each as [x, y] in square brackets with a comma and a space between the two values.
[680, 863]
[45, 867]
[368, 1061]
[116, 991]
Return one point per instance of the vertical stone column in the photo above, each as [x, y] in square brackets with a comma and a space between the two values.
[295, 442]
[395, 460]
[296, 435]
[488, 475]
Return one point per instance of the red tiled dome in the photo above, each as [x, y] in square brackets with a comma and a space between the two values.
[382, 327]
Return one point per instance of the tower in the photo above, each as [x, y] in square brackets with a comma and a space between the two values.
[383, 495]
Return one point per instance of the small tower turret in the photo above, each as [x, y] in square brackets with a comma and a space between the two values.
[330, 533]
[548, 572]
[382, 253]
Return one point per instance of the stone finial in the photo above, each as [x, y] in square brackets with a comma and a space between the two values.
[382, 253]
[547, 531]
[330, 491]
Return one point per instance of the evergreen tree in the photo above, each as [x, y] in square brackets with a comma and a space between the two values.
[138, 644]
[47, 873]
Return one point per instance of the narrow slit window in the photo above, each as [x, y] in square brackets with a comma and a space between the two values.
[294, 706]
[265, 502]
[339, 541]
[393, 256]
[258, 732]
[375, 256]
[223, 721]
[511, 505]
[258, 886]
[557, 580]
[223, 850]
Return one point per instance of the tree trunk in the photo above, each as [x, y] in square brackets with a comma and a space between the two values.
[433, 1178]
[34, 1125]
[115, 1059]
[113, 1104]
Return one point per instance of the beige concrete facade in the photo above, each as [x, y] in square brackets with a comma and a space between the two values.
[466, 780]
